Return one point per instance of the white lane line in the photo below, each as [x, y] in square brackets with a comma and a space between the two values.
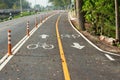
[16, 48]
[3, 59]
[7, 58]
[6, 55]
[90, 41]
[109, 57]
[5, 62]
[19, 43]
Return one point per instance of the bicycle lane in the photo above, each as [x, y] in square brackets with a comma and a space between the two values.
[38, 59]
[83, 60]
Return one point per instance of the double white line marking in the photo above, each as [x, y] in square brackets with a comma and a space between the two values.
[7, 58]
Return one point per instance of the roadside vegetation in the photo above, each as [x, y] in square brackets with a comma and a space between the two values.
[102, 16]
[14, 4]
[26, 13]
[8, 17]
[10, 9]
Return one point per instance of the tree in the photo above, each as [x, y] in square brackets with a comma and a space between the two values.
[9, 3]
[2, 5]
[25, 4]
[37, 7]
[60, 3]
[80, 15]
[13, 4]
[100, 14]
[75, 7]
[117, 20]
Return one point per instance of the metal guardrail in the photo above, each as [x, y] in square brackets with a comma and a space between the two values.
[8, 11]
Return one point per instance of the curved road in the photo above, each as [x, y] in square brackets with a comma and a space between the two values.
[57, 52]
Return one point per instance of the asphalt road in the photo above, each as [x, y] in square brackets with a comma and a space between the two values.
[57, 52]
[18, 28]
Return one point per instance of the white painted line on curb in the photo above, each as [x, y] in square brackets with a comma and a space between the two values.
[109, 57]
[7, 58]
[90, 41]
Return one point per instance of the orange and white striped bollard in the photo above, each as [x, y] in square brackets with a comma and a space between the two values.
[36, 22]
[9, 43]
[41, 19]
[28, 31]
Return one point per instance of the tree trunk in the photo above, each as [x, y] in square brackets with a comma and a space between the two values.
[80, 15]
[75, 7]
[117, 20]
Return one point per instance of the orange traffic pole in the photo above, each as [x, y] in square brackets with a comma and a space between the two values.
[36, 22]
[41, 19]
[45, 16]
[28, 31]
[9, 43]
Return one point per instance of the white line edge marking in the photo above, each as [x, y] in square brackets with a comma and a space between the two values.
[1, 60]
[109, 57]
[89, 40]
[7, 58]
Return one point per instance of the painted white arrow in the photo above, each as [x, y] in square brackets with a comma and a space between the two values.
[77, 45]
[44, 36]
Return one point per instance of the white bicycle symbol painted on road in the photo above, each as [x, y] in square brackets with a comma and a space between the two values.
[43, 45]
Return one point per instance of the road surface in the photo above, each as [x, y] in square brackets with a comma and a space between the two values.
[57, 52]
[18, 28]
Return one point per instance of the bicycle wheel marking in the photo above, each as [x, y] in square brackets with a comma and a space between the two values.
[47, 46]
[32, 46]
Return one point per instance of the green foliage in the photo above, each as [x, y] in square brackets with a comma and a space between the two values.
[60, 3]
[26, 4]
[101, 14]
[24, 14]
[13, 4]
[2, 5]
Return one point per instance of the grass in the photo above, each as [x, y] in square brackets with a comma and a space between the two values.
[24, 14]
[5, 18]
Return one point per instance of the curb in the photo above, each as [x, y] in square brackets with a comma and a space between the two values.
[69, 18]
